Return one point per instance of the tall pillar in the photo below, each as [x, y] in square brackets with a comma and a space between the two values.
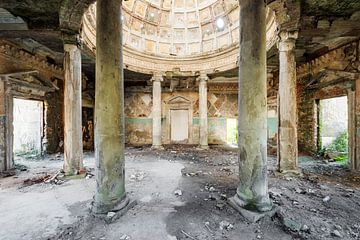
[352, 129]
[156, 111]
[110, 192]
[203, 110]
[287, 132]
[6, 127]
[252, 192]
[355, 162]
[73, 149]
[2, 126]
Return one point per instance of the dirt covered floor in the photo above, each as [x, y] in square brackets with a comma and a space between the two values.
[181, 193]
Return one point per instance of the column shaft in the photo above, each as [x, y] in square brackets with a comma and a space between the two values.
[156, 111]
[352, 129]
[109, 110]
[355, 163]
[252, 192]
[2, 127]
[287, 133]
[73, 150]
[203, 111]
[6, 127]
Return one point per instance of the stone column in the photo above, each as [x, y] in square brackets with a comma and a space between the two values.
[73, 149]
[355, 163]
[156, 111]
[2, 127]
[352, 130]
[203, 110]
[110, 192]
[252, 192]
[6, 127]
[287, 132]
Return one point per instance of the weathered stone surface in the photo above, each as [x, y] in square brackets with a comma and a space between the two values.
[203, 111]
[251, 216]
[157, 112]
[253, 187]
[53, 123]
[6, 127]
[73, 148]
[109, 111]
[287, 135]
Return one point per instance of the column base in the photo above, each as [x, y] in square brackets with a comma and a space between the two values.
[120, 210]
[289, 173]
[203, 147]
[252, 215]
[74, 172]
[157, 147]
[69, 173]
[103, 209]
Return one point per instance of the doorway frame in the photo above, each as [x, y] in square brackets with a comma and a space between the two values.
[14, 88]
[42, 120]
[350, 128]
[179, 103]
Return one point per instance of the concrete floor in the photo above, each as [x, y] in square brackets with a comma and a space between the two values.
[47, 211]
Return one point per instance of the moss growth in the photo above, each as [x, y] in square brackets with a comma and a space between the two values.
[338, 147]
[340, 144]
[341, 158]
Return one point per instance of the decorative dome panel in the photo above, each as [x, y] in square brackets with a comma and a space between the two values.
[176, 30]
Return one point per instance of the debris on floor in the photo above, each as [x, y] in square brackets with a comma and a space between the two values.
[178, 192]
[225, 225]
[138, 176]
[315, 206]
[55, 179]
[124, 237]
[36, 180]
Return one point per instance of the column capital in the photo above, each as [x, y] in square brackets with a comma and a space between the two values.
[203, 77]
[157, 77]
[70, 47]
[70, 38]
[287, 40]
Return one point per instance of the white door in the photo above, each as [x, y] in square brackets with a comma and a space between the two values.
[179, 126]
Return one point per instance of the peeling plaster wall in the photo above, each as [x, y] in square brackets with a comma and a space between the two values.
[138, 121]
[138, 107]
[221, 106]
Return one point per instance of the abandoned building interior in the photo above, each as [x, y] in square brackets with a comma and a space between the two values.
[237, 119]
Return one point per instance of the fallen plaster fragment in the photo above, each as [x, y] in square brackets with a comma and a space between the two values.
[225, 225]
[326, 199]
[125, 237]
[336, 233]
[178, 192]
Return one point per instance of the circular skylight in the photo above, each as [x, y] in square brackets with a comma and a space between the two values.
[220, 23]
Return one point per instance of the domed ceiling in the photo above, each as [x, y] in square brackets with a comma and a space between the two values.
[181, 35]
